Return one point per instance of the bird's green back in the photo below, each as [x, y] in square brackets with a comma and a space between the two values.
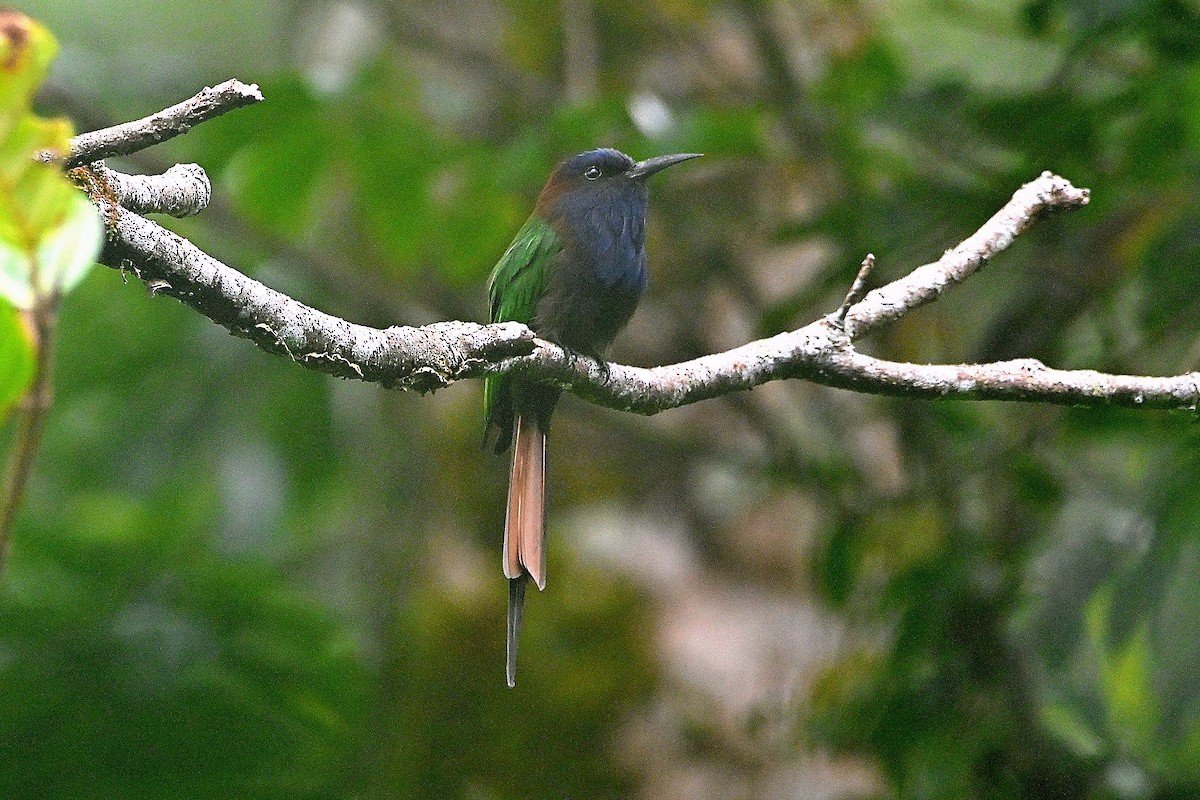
[514, 290]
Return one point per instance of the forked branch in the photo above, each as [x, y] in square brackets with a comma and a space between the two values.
[434, 356]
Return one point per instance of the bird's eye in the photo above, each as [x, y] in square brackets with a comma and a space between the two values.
[591, 173]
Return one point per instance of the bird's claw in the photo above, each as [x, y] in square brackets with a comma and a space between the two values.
[604, 370]
[573, 357]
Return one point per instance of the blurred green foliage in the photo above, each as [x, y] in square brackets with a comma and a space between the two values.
[236, 578]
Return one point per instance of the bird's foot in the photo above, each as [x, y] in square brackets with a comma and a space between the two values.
[603, 367]
[574, 355]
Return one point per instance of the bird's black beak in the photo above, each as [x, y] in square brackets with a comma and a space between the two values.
[644, 169]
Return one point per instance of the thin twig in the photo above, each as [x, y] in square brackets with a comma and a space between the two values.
[856, 289]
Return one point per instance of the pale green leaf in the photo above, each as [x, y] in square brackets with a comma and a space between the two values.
[16, 358]
[14, 276]
[67, 252]
[49, 232]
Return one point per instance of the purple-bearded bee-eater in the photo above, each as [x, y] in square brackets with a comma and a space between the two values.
[573, 274]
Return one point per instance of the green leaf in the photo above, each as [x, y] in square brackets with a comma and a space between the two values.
[49, 232]
[27, 49]
[16, 358]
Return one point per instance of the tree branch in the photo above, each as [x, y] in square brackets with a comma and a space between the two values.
[925, 284]
[423, 358]
[434, 356]
[181, 191]
[1024, 379]
[130, 137]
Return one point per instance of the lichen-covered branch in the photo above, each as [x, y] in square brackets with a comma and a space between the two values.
[130, 137]
[181, 191]
[422, 358]
[1047, 193]
[1020, 379]
[433, 356]
[822, 352]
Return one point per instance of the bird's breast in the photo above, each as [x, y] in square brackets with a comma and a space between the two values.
[609, 238]
[600, 273]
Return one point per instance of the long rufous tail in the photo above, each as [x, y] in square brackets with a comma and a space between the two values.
[524, 526]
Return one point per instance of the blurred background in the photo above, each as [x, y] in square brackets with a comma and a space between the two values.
[237, 578]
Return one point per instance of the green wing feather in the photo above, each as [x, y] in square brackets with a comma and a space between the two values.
[514, 290]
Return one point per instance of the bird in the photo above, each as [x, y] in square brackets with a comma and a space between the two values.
[573, 274]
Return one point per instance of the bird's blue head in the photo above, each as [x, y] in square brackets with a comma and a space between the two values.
[604, 175]
[597, 201]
